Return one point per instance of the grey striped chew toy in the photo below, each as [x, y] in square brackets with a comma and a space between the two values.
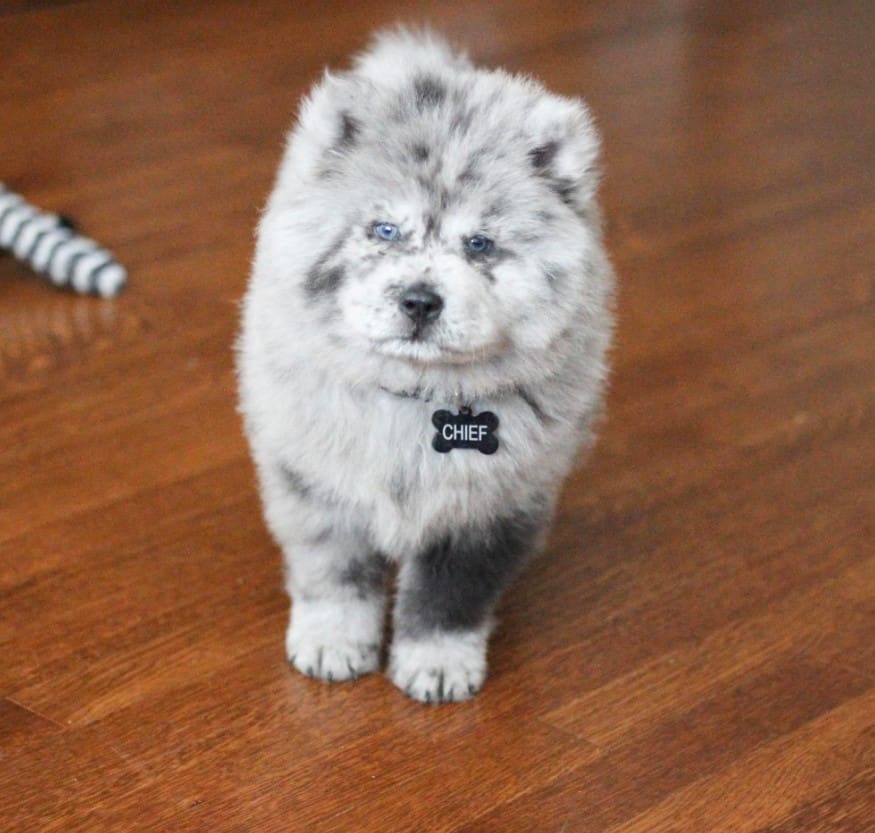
[50, 246]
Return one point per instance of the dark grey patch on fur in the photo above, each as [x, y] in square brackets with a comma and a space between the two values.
[438, 197]
[542, 157]
[431, 225]
[482, 263]
[469, 176]
[537, 410]
[322, 278]
[461, 121]
[367, 575]
[457, 579]
[565, 188]
[562, 186]
[483, 266]
[349, 130]
[485, 261]
[420, 153]
[430, 92]
[305, 490]
[542, 160]
[325, 281]
[296, 483]
[426, 183]
[470, 173]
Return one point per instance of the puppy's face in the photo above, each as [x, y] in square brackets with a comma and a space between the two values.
[442, 216]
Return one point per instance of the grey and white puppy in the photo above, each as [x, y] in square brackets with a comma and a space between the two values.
[432, 243]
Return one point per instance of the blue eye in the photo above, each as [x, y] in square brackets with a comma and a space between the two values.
[386, 231]
[478, 244]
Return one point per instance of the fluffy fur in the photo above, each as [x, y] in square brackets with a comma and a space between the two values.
[338, 382]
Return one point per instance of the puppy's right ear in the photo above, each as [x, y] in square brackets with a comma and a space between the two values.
[564, 147]
[327, 124]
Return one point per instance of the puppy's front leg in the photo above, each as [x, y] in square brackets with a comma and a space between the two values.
[338, 600]
[336, 581]
[446, 595]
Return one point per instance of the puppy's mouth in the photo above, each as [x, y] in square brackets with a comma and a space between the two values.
[420, 349]
[416, 348]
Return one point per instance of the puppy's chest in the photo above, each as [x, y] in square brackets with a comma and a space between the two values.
[414, 457]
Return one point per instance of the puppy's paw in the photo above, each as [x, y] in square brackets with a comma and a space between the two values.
[441, 668]
[334, 642]
[333, 663]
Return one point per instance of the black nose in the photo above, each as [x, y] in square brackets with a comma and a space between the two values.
[421, 304]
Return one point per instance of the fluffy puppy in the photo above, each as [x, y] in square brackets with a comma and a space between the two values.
[422, 353]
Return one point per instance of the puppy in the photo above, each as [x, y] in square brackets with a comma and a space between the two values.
[422, 353]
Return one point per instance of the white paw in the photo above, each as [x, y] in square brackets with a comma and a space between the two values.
[334, 663]
[334, 641]
[442, 668]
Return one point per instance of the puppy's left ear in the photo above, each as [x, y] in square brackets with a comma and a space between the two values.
[327, 124]
[564, 148]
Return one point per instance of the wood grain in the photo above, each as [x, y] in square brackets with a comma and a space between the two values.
[696, 650]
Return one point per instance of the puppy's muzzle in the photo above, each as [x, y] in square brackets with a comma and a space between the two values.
[421, 304]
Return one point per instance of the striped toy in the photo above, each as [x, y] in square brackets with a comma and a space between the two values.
[48, 244]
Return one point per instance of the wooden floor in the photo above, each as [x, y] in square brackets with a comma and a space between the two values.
[696, 652]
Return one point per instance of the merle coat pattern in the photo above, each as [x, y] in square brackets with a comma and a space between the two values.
[432, 241]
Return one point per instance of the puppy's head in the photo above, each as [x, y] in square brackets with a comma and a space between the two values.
[434, 214]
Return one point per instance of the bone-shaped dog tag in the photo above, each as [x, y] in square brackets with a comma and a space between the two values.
[465, 430]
